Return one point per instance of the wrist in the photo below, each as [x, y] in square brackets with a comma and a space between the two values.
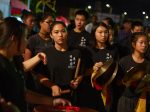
[39, 56]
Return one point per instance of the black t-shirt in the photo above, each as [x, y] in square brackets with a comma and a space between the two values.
[126, 64]
[101, 55]
[61, 65]
[36, 44]
[76, 39]
[32, 32]
[12, 86]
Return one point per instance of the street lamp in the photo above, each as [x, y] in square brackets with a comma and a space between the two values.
[89, 7]
[110, 8]
[146, 17]
[143, 13]
[108, 5]
[125, 13]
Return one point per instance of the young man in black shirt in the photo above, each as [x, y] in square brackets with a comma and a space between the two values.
[79, 36]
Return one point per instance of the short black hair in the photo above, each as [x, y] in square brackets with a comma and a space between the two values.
[136, 23]
[82, 12]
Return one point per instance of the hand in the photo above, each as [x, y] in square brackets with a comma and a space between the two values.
[42, 57]
[97, 66]
[74, 83]
[60, 101]
[56, 91]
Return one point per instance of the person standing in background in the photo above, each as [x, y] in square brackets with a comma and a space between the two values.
[92, 25]
[28, 18]
[79, 37]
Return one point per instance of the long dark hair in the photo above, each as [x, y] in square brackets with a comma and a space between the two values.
[94, 41]
[12, 27]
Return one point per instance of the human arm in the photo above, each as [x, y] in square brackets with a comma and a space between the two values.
[32, 62]
[56, 90]
[27, 54]
[36, 98]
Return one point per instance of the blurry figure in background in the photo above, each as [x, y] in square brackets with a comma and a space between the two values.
[125, 31]
[92, 25]
[79, 37]
[125, 45]
[112, 25]
[28, 18]
[137, 26]
[111, 36]
[147, 31]
[71, 25]
[109, 21]
[124, 35]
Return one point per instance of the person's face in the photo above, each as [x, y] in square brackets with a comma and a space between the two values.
[94, 19]
[30, 21]
[137, 29]
[141, 45]
[80, 21]
[59, 34]
[127, 26]
[101, 34]
[45, 25]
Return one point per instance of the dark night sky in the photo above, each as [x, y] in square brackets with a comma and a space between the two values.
[134, 8]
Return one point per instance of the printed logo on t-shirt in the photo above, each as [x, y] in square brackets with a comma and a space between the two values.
[83, 42]
[108, 56]
[72, 62]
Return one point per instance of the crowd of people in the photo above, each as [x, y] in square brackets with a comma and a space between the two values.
[96, 65]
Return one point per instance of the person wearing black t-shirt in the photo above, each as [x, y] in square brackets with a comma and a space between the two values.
[12, 85]
[36, 44]
[61, 65]
[128, 102]
[98, 54]
[79, 37]
[42, 40]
